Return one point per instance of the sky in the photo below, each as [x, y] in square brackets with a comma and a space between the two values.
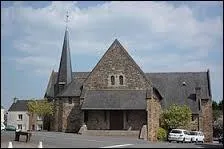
[160, 37]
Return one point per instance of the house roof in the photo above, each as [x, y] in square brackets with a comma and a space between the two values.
[115, 99]
[169, 85]
[72, 89]
[20, 105]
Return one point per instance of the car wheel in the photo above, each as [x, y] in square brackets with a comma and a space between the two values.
[183, 140]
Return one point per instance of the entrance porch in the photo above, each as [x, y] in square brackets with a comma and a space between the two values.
[115, 119]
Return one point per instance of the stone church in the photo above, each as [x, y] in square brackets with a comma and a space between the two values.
[118, 95]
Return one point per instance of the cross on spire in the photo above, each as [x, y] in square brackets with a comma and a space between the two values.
[67, 20]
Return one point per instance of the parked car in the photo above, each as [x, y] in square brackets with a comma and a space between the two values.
[179, 135]
[221, 139]
[10, 128]
[197, 136]
[2, 126]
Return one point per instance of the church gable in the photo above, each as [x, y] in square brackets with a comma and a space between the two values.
[116, 70]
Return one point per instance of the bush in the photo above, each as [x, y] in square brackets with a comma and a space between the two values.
[161, 134]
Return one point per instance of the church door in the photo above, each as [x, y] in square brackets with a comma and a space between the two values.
[116, 120]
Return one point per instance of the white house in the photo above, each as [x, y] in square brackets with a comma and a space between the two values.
[18, 115]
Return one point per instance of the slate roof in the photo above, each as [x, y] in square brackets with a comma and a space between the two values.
[169, 85]
[65, 68]
[171, 88]
[72, 89]
[20, 105]
[115, 99]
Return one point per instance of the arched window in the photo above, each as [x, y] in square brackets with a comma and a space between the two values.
[121, 80]
[112, 80]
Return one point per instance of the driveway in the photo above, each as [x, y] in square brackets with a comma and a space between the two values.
[70, 140]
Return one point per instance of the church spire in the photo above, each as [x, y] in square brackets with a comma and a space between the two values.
[65, 68]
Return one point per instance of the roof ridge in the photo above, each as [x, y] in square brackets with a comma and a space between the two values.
[178, 72]
[116, 89]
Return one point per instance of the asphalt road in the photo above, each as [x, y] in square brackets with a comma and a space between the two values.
[70, 140]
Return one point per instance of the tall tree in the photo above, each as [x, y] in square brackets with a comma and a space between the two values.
[40, 107]
[176, 117]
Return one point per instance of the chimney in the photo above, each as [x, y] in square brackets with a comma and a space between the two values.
[14, 99]
[198, 92]
[198, 97]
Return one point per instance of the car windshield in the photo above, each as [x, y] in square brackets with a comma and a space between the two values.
[175, 131]
[193, 133]
[10, 126]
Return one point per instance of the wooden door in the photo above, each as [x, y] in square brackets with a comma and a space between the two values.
[116, 120]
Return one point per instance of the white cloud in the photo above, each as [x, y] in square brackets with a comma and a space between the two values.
[158, 35]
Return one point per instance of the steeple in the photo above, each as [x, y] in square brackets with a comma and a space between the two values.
[65, 68]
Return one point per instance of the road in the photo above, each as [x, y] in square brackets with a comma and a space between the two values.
[70, 140]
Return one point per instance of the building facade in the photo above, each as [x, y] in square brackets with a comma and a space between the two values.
[118, 95]
[19, 117]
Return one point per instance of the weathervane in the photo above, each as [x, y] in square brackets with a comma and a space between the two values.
[67, 20]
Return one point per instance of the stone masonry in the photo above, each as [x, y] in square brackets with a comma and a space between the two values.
[153, 114]
[116, 62]
[205, 120]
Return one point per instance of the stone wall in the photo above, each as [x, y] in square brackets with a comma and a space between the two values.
[206, 120]
[97, 120]
[54, 118]
[34, 121]
[72, 115]
[116, 62]
[134, 119]
[153, 114]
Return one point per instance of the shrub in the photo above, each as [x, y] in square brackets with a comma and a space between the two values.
[161, 134]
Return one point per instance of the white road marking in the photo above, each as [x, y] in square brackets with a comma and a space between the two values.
[113, 146]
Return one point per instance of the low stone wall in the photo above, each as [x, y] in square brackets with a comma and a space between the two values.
[112, 133]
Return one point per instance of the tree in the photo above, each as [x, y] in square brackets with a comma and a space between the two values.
[220, 105]
[217, 109]
[215, 105]
[176, 117]
[40, 107]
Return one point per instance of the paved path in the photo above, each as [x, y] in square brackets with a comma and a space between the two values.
[70, 140]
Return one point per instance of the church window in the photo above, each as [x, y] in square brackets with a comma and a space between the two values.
[121, 80]
[112, 80]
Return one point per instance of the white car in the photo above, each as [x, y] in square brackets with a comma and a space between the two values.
[179, 135]
[2, 126]
[197, 136]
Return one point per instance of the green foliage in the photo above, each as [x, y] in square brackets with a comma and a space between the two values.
[161, 134]
[40, 107]
[176, 117]
[216, 114]
[217, 105]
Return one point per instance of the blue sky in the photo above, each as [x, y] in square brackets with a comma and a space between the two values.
[160, 36]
